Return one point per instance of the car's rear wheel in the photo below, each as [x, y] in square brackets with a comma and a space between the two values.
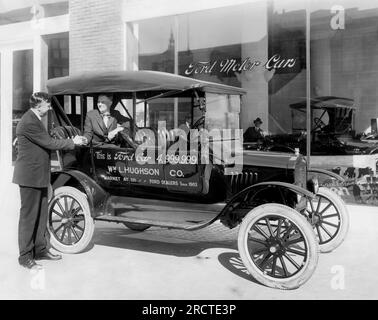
[278, 246]
[70, 223]
[136, 226]
[329, 217]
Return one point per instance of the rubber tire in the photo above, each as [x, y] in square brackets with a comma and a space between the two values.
[136, 226]
[303, 225]
[344, 223]
[89, 222]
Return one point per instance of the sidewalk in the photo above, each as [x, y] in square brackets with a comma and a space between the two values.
[175, 264]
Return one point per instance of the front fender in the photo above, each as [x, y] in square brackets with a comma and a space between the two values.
[238, 205]
[293, 187]
[96, 195]
[327, 173]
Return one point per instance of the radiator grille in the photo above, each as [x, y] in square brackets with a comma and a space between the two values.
[240, 181]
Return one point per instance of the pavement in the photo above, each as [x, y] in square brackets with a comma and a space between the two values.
[175, 264]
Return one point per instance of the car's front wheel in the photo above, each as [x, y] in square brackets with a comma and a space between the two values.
[278, 246]
[70, 223]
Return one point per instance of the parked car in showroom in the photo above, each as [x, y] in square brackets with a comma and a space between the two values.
[141, 180]
[332, 131]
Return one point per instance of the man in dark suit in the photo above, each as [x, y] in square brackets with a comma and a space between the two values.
[186, 126]
[255, 133]
[102, 125]
[32, 174]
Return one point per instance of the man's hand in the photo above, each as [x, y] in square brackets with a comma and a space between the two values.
[80, 140]
[113, 133]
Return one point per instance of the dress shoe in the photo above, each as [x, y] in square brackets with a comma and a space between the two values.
[30, 264]
[48, 256]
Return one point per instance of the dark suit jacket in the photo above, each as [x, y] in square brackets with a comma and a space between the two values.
[94, 127]
[32, 167]
[253, 134]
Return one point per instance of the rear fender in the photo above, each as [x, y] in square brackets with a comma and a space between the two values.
[97, 196]
[240, 204]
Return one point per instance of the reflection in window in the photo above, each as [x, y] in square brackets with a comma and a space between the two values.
[287, 40]
[209, 45]
[344, 57]
[156, 47]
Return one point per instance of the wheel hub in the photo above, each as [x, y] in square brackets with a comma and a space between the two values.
[273, 249]
[67, 222]
[316, 219]
[276, 246]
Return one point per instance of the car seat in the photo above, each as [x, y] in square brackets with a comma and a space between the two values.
[65, 132]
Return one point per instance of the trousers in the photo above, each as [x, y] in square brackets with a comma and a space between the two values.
[32, 226]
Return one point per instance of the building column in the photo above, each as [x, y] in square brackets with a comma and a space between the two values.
[6, 115]
[40, 65]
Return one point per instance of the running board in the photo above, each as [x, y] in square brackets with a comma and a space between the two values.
[161, 213]
[156, 223]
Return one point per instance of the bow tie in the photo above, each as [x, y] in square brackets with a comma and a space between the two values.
[105, 114]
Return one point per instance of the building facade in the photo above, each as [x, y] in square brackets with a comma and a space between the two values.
[259, 45]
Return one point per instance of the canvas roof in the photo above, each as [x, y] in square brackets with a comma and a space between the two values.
[132, 81]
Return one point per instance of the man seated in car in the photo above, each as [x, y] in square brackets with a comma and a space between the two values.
[102, 125]
[254, 133]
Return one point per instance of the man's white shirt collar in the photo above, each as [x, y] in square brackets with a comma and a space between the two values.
[36, 113]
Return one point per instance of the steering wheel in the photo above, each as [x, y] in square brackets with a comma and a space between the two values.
[319, 124]
[200, 122]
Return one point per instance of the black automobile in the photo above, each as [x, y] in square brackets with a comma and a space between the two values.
[154, 175]
[332, 131]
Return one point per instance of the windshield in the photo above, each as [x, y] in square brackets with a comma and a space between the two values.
[222, 111]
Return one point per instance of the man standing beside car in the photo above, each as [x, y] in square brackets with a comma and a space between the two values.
[32, 174]
[102, 125]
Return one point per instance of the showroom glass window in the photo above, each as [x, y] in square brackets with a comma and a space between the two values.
[58, 65]
[58, 48]
[22, 87]
[189, 44]
[344, 57]
[343, 61]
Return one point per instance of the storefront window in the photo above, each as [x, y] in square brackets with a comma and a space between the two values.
[156, 48]
[287, 64]
[344, 63]
[58, 48]
[22, 88]
[225, 45]
[22, 81]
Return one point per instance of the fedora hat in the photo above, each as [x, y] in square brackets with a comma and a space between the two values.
[257, 120]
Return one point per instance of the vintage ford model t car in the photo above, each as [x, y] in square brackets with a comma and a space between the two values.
[143, 180]
[332, 131]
